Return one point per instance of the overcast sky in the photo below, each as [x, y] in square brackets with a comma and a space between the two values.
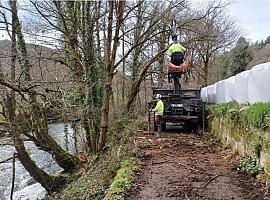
[253, 16]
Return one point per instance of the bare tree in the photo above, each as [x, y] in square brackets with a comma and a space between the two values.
[50, 183]
[214, 32]
[110, 56]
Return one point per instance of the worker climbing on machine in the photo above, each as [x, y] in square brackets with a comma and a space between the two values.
[159, 109]
[176, 51]
[177, 65]
[183, 108]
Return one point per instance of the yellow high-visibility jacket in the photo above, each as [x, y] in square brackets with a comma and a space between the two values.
[176, 48]
[159, 109]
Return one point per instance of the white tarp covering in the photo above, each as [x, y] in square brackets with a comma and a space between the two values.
[249, 86]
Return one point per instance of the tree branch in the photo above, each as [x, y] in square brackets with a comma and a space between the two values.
[8, 159]
[20, 90]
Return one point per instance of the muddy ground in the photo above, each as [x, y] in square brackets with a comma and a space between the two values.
[184, 166]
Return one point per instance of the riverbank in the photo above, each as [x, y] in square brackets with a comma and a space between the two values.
[110, 172]
[25, 186]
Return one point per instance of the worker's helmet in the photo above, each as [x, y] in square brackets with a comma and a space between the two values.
[158, 96]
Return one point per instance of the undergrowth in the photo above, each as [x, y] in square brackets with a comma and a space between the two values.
[247, 124]
[221, 110]
[123, 180]
[256, 115]
[113, 166]
[250, 166]
[257, 144]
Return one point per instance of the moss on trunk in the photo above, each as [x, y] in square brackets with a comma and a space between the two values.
[50, 183]
[43, 140]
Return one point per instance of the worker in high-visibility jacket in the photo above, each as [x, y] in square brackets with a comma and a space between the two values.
[159, 109]
[177, 52]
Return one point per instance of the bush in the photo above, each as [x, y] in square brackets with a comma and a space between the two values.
[250, 166]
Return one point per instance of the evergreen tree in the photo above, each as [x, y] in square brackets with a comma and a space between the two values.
[267, 41]
[224, 72]
[240, 57]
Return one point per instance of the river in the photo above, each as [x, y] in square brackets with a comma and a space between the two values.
[26, 188]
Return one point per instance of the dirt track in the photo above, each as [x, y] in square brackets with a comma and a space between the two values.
[182, 166]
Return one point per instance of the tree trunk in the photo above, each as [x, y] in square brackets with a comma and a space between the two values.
[40, 127]
[105, 112]
[123, 69]
[13, 39]
[136, 86]
[110, 56]
[205, 78]
[67, 161]
[50, 183]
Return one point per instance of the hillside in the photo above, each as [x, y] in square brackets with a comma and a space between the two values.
[45, 71]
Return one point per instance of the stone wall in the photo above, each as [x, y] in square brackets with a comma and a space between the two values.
[243, 138]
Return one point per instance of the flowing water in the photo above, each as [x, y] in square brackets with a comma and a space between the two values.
[25, 186]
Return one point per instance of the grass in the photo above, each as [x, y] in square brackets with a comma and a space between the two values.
[123, 180]
[256, 115]
[224, 109]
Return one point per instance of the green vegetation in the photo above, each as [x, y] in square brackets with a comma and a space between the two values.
[239, 58]
[244, 55]
[256, 115]
[245, 128]
[257, 144]
[123, 180]
[109, 174]
[94, 182]
[223, 109]
[249, 165]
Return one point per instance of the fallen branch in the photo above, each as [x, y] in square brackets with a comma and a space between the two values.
[160, 162]
[196, 170]
[6, 160]
[209, 181]
[6, 144]
[13, 175]
[166, 154]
